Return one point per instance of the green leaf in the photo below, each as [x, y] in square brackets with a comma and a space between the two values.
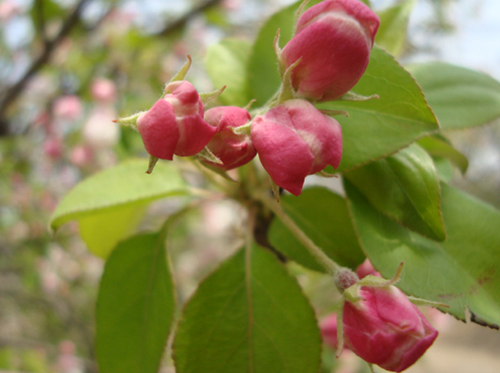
[263, 73]
[135, 307]
[405, 187]
[377, 128]
[460, 97]
[255, 321]
[323, 216]
[444, 169]
[461, 271]
[226, 65]
[391, 34]
[110, 204]
[439, 146]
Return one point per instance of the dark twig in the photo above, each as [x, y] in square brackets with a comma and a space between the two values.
[40, 20]
[178, 23]
[14, 91]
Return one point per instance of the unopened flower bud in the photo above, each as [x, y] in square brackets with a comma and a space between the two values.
[175, 125]
[385, 328]
[294, 140]
[232, 149]
[333, 40]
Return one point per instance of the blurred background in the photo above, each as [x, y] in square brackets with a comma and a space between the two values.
[68, 68]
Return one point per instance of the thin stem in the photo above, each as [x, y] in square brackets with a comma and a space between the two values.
[248, 278]
[328, 264]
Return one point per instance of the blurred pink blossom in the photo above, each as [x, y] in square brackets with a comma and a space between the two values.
[104, 90]
[81, 155]
[99, 130]
[53, 147]
[8, 9]
[67, 107]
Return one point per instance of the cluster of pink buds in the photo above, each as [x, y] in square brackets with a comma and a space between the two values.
[177, 124]
[325, 58]
[323, 61]
[378, 322]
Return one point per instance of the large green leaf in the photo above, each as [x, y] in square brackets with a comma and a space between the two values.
[391, 34]
[263, 73]
[405, 187]
[323, 216]
[248, 317]
[109, 204]
[226, 65]
[460, 97]
[135, 307]
[462, 271]
[377, 128]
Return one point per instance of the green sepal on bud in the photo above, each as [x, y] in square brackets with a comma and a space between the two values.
[130, 121]
[331, 113]
[181, 74]
[351, 96]
[151, 164]
[277, 51]
[300, 10]
[209, 96]
[287, 92]
[209, 156]
[242, 130]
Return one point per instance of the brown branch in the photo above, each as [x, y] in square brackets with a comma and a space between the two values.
[178, 23]
[14, 91]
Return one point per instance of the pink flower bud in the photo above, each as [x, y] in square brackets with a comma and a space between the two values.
[386, 329]
[233, 150]
[365, 269]
[175, 125]
[294, 140]
[334, 39]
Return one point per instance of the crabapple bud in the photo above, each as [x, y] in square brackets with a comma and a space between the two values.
[174, 124]
[232, 149]
[385, 328]
[294, 140]
[333, 40]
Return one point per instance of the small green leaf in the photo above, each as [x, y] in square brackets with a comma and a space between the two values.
[109, 204]
[323, 216]
[391, 34]
[377, 128]
[460, 97]
[461, 271]
[226, 65]
[135, 307]
[438, 146]
[405, 187]
[248, 317]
